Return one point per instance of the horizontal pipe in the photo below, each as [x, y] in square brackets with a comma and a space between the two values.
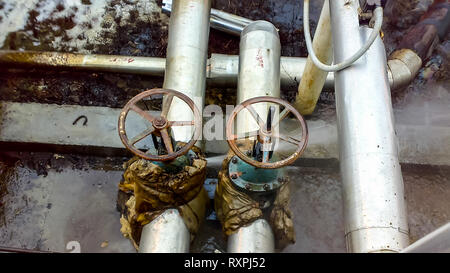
[220, 20]
[151, 66]
[222, 70]
[403, 65]
[5, 249]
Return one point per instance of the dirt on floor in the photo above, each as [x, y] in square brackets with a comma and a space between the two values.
[126, 29]
[33, 185]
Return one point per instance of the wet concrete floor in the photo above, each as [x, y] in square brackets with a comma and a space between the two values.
[65, 199]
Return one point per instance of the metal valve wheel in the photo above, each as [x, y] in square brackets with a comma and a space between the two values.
[159, 125]
[265, 135]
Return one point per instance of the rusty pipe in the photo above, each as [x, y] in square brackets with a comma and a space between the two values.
[152, 66]
[313, 78]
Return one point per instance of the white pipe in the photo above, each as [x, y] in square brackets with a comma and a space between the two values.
[403, 66]
[186, 73]
[166, 234]
[259, 75]
[259, 70]
[186, 60]
[223, 71]
[373, 193]
[254, 238]
[378, 15]
[220, 20]
[437, 241]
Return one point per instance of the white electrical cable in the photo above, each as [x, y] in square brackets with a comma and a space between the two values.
[378, 15]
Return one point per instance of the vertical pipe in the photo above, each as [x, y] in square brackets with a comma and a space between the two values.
[373, 193]
[186, 59]
[255, 238]
[185, 72]
[259, 69]
[166, 234]
[313, 79]
[259, 75]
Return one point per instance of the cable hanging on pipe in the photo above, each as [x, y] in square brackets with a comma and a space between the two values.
[378, 15]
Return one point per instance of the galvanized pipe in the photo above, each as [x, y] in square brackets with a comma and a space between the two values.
[186, 73]
[186, 60]
[220, 20]
[259, 75]
[227, 22]
[373, 193]
[259, 70]
[255, 238]
[437, 241]
[223, 71]
[166, 234]
[403, 66]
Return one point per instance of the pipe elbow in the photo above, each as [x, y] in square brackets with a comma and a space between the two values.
[403, 66]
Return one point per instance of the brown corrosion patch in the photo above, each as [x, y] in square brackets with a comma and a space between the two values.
[236, 209]
[42, 59]
[152, 190]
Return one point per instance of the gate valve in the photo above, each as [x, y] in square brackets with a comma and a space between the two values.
[267, 136]
[159, 126]
[259, 170]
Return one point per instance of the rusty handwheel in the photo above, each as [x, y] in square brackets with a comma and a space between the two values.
[265, 135]
[159, 125]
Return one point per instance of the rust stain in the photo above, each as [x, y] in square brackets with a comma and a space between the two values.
[34, 58]
[260, 58]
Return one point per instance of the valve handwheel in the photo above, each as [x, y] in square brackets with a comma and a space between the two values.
[265, 135]
[159, 125]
